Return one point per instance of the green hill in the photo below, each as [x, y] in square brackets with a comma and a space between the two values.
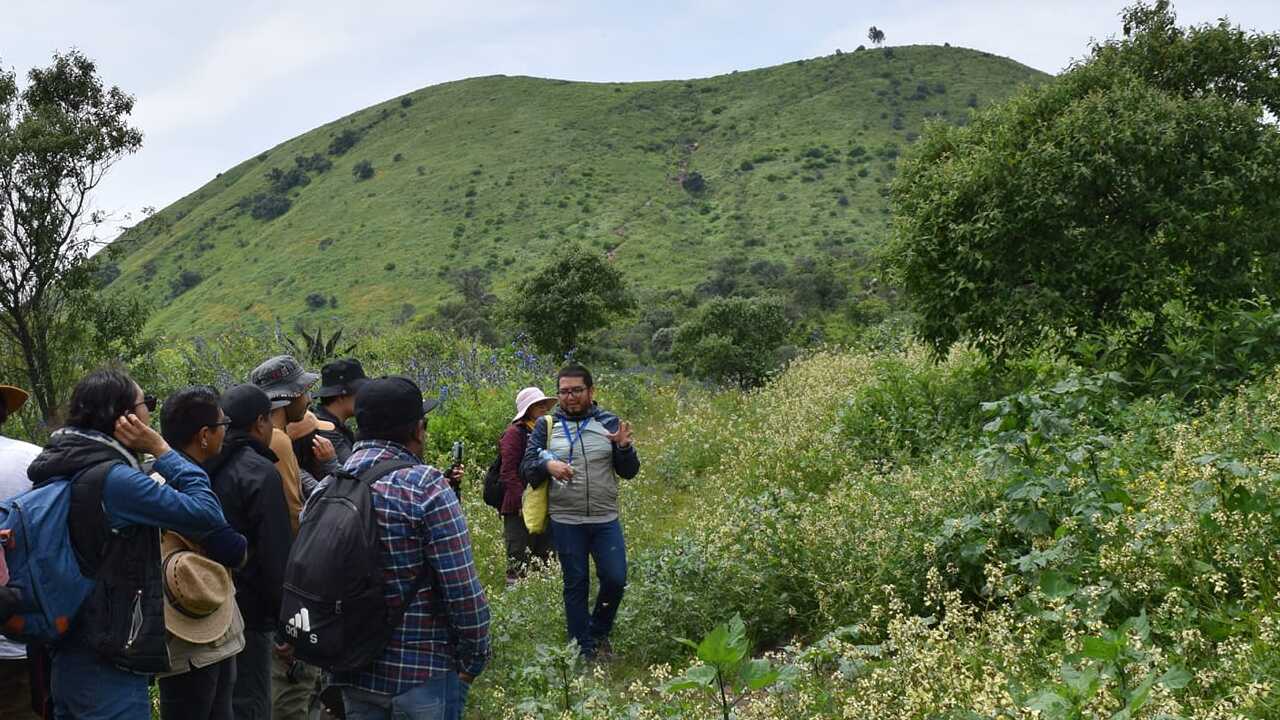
[495, 172]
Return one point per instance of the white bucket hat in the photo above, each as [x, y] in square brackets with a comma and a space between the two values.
[526, 399]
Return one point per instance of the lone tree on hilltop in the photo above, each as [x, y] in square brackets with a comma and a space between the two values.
[1138, 186]
[875, 35]
[58, 137]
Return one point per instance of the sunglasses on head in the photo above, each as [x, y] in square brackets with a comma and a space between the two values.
[150, 401]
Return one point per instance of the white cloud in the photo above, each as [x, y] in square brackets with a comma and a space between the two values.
[240, 66]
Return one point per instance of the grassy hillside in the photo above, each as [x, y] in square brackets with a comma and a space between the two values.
[495, 172]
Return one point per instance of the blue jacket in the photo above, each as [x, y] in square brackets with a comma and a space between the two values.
[116, 510]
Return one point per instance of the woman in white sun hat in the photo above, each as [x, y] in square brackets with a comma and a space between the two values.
[531, 404]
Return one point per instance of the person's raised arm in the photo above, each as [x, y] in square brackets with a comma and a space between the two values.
[626, 463]
[184, 503]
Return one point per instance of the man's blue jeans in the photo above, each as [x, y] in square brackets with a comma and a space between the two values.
[603, 543]
[86, 687]
[441, 697]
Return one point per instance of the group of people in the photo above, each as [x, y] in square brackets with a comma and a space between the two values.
[186, 534]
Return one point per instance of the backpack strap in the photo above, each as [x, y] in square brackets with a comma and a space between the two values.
[551, 426]
[87, 522]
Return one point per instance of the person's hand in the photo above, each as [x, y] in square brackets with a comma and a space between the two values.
[324, 448]
[562, 471]
[137, 435]
[622, 438]
[455, 473]
[466, 677]
[284, 651]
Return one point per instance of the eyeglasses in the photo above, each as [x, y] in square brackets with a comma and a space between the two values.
[220, 423]
[150, 401]
[572, 392]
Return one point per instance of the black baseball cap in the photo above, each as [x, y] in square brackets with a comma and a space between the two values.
[340, 377]
[390, 402]
[243, 404]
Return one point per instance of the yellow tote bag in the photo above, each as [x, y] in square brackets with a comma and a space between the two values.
[534, 505]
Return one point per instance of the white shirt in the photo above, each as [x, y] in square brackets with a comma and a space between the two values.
[15, 456]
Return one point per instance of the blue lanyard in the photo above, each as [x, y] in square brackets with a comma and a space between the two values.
[573, 440]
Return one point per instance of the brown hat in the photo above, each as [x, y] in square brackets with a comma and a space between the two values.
[307, 425]
[199, 596]
[14, 398]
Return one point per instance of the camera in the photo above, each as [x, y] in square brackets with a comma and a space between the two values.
[455, 455]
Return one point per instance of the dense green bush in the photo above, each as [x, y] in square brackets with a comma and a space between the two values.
[1137, 178]
[732, 340]
[265, 206]
[344, 141]
[186, 280]
[282, 181]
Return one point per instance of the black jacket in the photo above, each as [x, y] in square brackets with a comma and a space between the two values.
[123, 619]
[245, 479]
[341, 436]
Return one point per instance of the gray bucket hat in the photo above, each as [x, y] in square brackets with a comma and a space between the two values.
[282, 379]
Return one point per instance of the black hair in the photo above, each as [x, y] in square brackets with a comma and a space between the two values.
[186, 411]
[100, 398]
[402, 434]
[573, 370]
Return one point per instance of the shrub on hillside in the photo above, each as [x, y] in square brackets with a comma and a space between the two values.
[362, 170]
[186, 280]
[265, 206]
[315, 162]
[732, 340]
[282, 181]
[694, 183]
[316, 301]
[575, 283]
[344, 141]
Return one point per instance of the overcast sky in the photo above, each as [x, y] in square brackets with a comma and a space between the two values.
[219, 82]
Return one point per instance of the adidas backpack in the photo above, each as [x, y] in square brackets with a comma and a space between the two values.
[333, 610]
[46, 585]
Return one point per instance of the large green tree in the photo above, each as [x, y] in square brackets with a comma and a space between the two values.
[1144, 177]
[576, 292]
[59, 135]
[732, 340]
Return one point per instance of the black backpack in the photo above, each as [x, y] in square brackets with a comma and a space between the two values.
[494, 488]
[333, 609]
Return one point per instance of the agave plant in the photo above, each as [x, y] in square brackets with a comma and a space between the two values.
[314, 348]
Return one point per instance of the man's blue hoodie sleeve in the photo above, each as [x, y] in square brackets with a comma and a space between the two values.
[184, 504]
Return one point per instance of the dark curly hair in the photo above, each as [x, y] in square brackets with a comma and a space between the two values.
[100, 398]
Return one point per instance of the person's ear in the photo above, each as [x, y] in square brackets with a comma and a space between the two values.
[421, 434]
